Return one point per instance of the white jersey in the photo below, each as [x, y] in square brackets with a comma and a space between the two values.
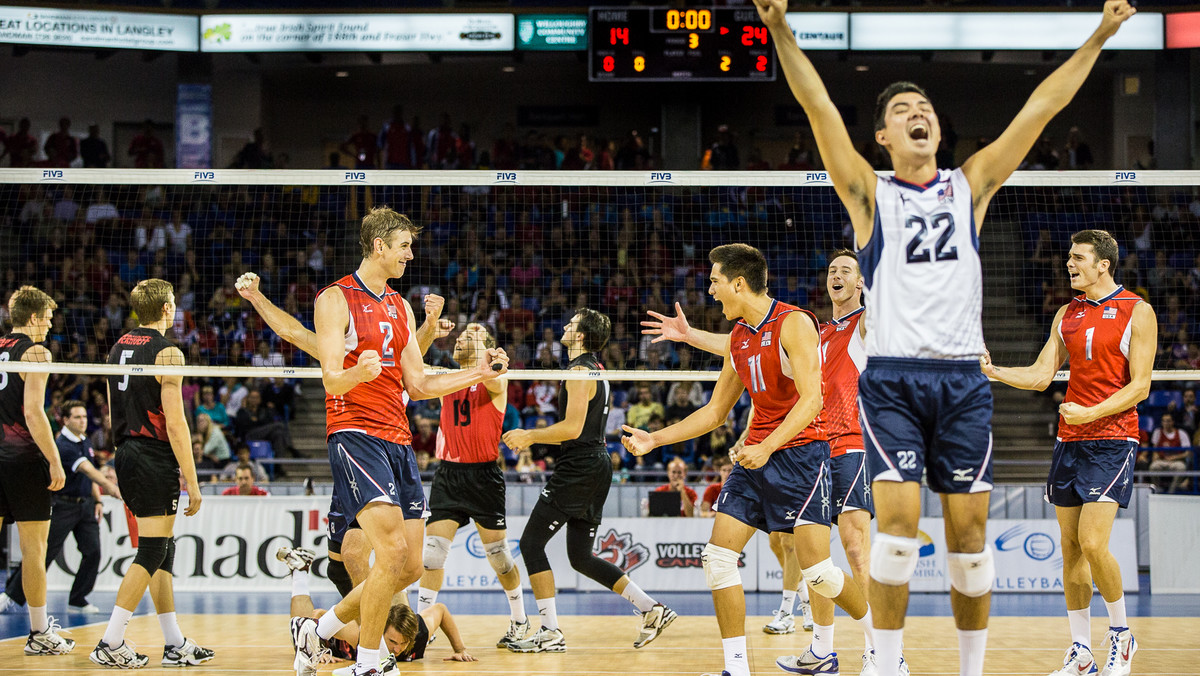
[923, 278]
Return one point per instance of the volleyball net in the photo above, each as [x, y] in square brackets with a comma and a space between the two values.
[521, 251]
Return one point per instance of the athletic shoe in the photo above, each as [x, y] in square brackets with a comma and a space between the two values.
[1122, 646]
[87, 608]
[784, 623]
[713, 673]
[188, 654]
[309, 646]
[516, 632]
[368, 671]
[121, 657]
[296, 558]
[6, 602]
[1077, 661]
[544, 641]
[386, 668]
[806, 616]
[810, 664]
[903, 667]
[869, 667]
[653, 622]
[48, 642]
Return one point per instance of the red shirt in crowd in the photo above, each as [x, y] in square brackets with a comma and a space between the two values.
[254, 490]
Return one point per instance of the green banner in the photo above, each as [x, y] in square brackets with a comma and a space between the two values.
[552, 32]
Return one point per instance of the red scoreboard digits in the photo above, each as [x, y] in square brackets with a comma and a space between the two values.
[658, 44]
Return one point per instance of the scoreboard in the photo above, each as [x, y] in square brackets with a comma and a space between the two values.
[659, 44]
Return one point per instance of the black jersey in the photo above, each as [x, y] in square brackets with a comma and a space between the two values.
[136, 404]
[592, 436]
[16, 443]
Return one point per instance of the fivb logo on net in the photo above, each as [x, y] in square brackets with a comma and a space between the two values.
[204, 177]
[354, 177]
[53, 175]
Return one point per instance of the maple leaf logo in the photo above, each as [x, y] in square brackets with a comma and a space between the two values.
[620, 550]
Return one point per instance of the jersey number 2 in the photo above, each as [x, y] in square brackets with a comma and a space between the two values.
[919, 250]
[388, 357]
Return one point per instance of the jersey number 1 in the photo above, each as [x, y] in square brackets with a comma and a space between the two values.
[757, 382]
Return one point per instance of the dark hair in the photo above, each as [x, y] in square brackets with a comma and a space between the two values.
[26, 302]
[1102, 243]
[383, 223]
[720, 460]
[73, 403]
[245, 466]
[888, 94]
[404, 620]
[595, 328]
[741, 260]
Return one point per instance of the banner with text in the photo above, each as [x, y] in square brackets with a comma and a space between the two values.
[356, 32]
[79, 28]
[193, 126]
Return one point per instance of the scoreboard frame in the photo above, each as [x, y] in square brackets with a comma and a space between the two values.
[668, 44]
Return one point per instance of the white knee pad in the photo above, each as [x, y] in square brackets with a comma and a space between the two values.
[720, 567]
[825, 578]
[436, 551]
[499, 556]
[894, 559]
[972, 574]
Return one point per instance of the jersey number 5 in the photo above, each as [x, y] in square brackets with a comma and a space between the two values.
[124, 384]
[919, 250]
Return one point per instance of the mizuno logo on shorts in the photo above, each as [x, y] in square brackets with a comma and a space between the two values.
[962, 475]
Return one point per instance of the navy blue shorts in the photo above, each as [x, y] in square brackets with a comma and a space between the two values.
[930, 415]
[1099, 470]
[792, 489]
[368, 469]
[851, 487]
[337, 524]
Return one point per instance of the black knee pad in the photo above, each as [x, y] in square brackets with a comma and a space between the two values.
[150, 553]
[580, 538]
[168, 563]
[340, 578]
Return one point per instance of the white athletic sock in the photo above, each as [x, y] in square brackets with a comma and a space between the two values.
[971, 647]
[868, 630]
[172, 634]
[548, 612]
[788, 603]
[802, 591]
[1116, 613]
[37, 619]
[368, 657]
[114, 635]
[426, 598]
[1081, 626]
[516, 605]
[736, 661]
[300, 583]
[637, 597]
[329, 624]
[383, 649]
[888, 644]
[822, 641]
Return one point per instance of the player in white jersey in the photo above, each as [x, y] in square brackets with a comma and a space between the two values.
[924, 403]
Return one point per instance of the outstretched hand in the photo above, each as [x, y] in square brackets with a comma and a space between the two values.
[1116, 12]
[247, 285]
[667, 328]
[636, 441]
[772, 11]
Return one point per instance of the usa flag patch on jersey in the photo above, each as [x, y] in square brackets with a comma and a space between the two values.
[1110, 312]
[766, 340]
[946, 194]
[391, 309]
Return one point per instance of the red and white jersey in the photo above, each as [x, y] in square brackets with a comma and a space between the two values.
[843, 358]
[765, 370]
[1097, 335]
[375, 408]
[470, 426]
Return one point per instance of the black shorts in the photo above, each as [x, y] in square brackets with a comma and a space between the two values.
[148, 476]
[463, 491]
[25, 490]
[580, 484]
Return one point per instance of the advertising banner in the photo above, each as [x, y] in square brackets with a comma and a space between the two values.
[356, 32]
[552, 32]
[117, 30]
[193, 126]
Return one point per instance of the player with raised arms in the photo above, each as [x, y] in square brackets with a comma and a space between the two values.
[925, 407]
[781, 481]
[1109, 335]
[369, 360]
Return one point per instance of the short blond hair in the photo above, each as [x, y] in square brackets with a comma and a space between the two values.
[383, 223]
[28, 302]
[147, 299]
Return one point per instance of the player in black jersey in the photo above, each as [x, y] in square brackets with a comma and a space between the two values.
[576, 492]
[153, 450]
[30, 467]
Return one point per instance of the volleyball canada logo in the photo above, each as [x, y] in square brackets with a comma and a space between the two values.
[685, 555]
[620, 550]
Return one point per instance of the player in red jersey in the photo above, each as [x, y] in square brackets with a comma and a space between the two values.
[781, 481]
[468, 485]
[369, 361]
[1109, 335]
[843, 358]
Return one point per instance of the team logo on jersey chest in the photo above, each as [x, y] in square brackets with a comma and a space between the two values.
[766, 340]
[391, 310]
[842, 326]
[746, 344]
[946, 195]
[1110, 312]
